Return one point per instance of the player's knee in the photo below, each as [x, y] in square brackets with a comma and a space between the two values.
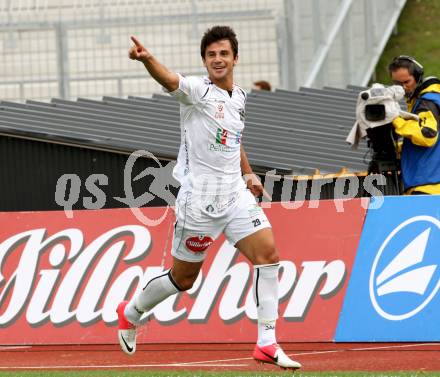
[185, 282]
[267, 254]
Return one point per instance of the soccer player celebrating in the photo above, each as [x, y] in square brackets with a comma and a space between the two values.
[213, 197]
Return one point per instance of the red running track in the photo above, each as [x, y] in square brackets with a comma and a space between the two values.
[313, 356]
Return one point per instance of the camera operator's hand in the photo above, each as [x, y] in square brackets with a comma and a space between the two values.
[406, 115]
[422, 133]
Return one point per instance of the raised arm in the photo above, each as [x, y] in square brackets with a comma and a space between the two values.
[169, 80]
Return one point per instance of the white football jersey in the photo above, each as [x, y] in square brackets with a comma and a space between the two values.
[212, 123]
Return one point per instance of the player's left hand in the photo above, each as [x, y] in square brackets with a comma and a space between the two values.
[254, 185]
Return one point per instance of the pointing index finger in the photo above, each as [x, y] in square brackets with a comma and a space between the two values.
[136, 42]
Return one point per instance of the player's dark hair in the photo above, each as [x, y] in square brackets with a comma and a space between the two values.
[217, 33]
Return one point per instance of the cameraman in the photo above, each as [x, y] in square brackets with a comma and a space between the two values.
[420, 156]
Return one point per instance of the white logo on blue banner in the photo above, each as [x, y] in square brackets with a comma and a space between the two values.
[409, 272]
[394, 289]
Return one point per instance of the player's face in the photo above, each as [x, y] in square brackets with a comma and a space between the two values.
[219, 61]
[401, 76]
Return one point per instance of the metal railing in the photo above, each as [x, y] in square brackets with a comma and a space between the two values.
[78, 48]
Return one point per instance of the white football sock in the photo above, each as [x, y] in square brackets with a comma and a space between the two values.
[266, 333]
[154, 292]
[265, 290]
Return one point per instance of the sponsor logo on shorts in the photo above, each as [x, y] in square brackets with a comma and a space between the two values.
[198, 244]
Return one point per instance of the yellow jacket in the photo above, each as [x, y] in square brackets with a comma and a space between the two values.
[421, 134]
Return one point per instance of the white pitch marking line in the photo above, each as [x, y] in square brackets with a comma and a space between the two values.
[6, 348]
[119, 366]
[315, 353]
[251, 358]
[218, 361]
[396, 346]
[365, 349]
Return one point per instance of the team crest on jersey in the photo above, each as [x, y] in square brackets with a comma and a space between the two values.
[220, 113]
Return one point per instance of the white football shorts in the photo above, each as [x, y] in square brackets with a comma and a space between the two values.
[200, 222]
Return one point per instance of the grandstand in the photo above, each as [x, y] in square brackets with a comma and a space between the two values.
[306, 129]
[296, 134]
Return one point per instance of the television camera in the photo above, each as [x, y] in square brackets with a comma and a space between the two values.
[375, 110]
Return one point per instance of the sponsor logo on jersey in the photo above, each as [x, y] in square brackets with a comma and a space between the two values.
[220, 148]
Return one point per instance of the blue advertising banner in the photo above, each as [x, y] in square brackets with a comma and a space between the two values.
[393, 292]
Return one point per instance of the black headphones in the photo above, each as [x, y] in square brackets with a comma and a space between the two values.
[417, 70]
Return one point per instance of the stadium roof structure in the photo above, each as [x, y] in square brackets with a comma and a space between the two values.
[295, 132]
